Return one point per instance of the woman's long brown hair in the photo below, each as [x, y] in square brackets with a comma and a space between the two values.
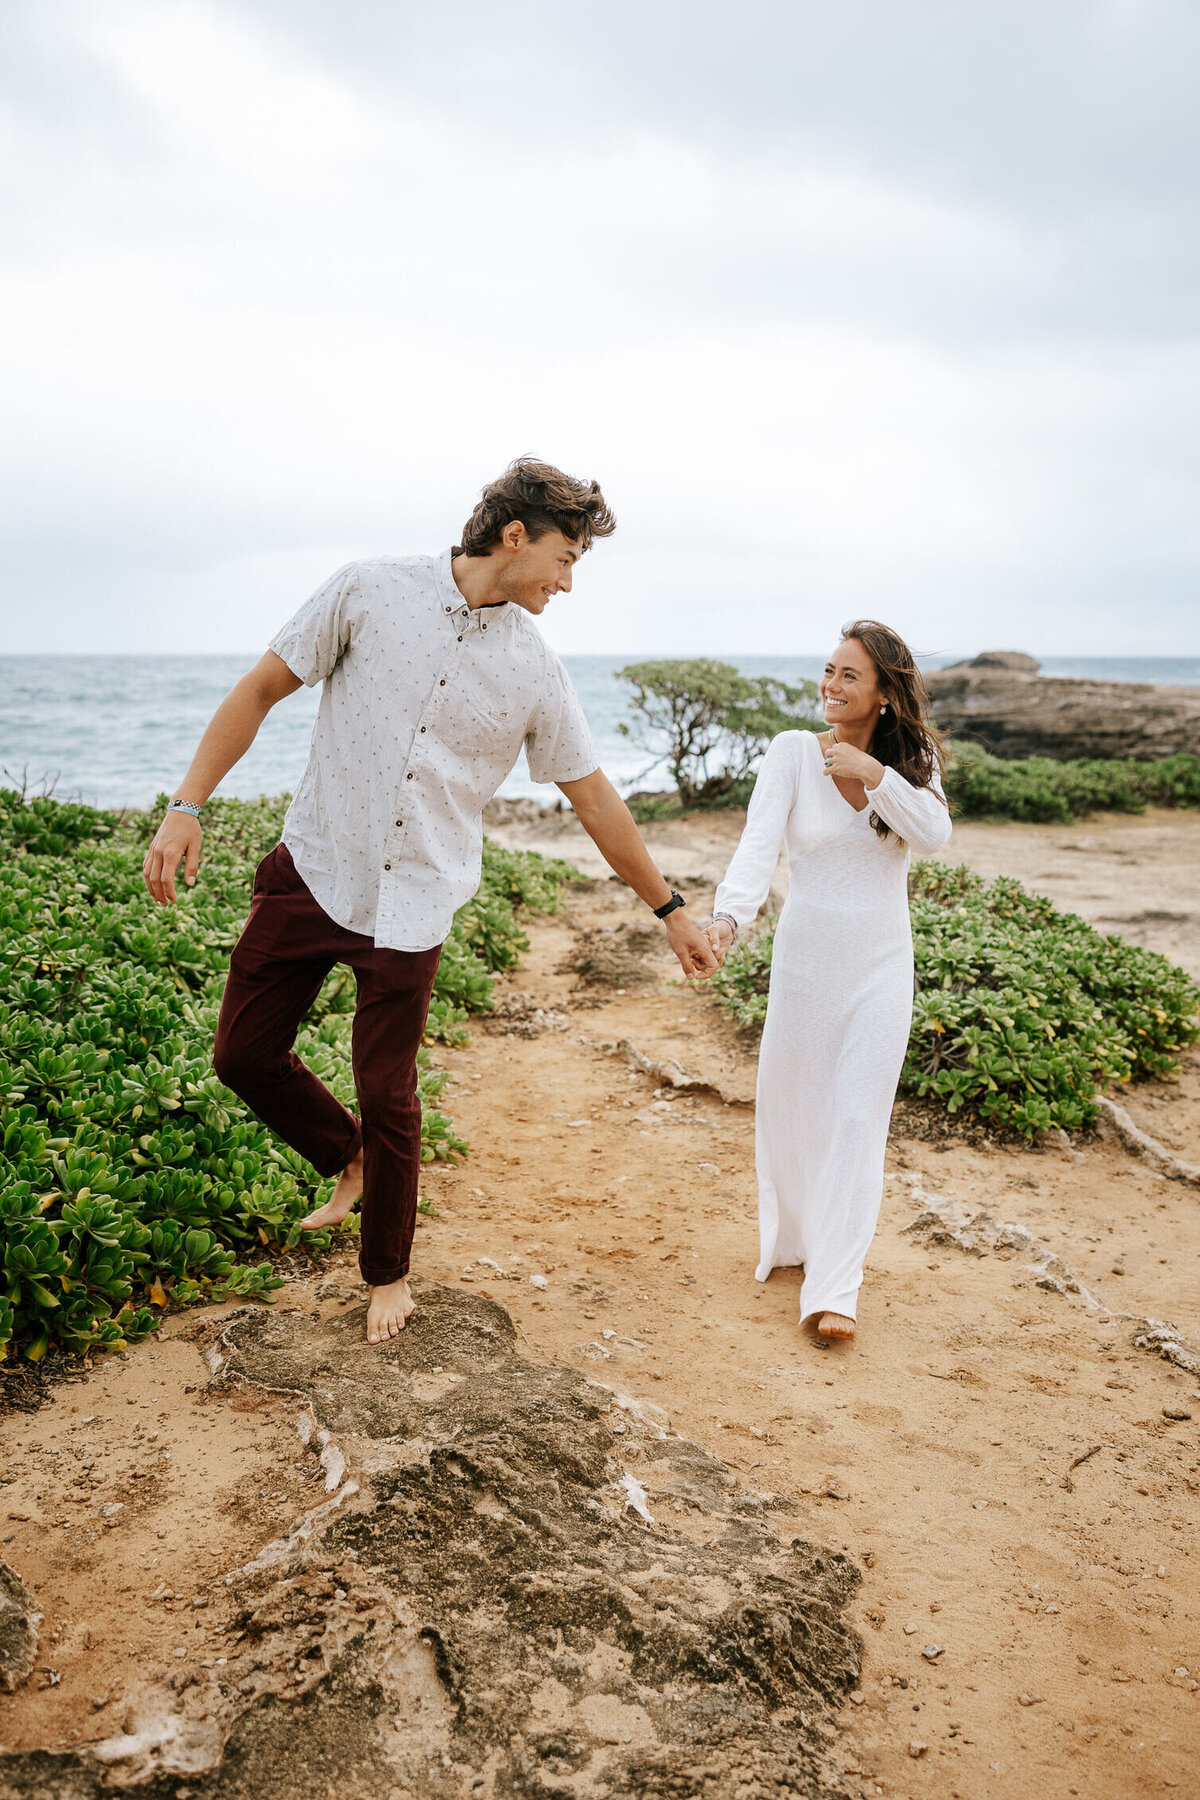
[903, 740]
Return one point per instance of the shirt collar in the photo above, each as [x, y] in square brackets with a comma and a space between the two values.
[453, 602]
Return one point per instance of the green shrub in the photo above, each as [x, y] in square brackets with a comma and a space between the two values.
[710, 724]
[1038, 788]
[1022, 1013]
[130, 1177]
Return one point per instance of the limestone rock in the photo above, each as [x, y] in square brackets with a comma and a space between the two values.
[1003, 659]
[999, 700]
[19, 1621]
[479, 1608]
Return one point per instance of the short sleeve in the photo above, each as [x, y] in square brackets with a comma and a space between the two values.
[316, 636]
[558, 741]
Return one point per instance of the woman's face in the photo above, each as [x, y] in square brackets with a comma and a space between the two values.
[850, 686]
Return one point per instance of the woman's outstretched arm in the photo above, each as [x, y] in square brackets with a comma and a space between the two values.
[748, 878]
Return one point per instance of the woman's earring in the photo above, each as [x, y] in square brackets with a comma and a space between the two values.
[883, 709]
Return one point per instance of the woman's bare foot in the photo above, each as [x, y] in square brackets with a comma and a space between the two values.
[835, 1325]
[388, 1311]
[344, 1200]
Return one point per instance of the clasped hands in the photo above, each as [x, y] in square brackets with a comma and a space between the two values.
[706, 951]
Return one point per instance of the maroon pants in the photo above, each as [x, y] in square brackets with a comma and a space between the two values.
[286, 950]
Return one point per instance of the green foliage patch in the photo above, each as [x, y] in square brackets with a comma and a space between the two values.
[1022, 1013]
[131, 1178]
[1037, 788]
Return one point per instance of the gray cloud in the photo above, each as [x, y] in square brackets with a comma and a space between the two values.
[1069, 127]
[837, 300]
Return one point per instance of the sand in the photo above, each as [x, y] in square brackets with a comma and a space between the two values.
[997, 1455]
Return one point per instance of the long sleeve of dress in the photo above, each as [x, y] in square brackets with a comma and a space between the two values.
[748, 878]
[918, 815]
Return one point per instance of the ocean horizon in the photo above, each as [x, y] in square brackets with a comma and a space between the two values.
[117, 730]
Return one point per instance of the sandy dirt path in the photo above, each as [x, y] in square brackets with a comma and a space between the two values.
[1018, 1480]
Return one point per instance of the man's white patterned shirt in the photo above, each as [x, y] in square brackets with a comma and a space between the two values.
[427, 703]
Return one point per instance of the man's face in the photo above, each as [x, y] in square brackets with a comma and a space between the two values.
[534, 570]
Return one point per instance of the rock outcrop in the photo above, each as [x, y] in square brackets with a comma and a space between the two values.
[491, 1601]
[1000, 700]
[18, 1630]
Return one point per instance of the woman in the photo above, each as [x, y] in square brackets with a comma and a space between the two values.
[851, 803]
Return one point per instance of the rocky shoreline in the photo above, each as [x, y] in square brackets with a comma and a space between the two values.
[1002, 702]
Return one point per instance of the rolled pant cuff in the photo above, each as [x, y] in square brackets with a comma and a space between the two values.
[382, 1277]
[344, 1157]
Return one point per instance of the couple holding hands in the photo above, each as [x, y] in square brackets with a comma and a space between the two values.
[435, 677]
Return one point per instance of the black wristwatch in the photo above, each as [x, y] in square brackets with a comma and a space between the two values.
[677, 899]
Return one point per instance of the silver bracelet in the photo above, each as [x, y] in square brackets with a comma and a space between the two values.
[732, 923]
[184, 806]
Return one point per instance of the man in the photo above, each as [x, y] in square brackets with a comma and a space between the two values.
[434, 676]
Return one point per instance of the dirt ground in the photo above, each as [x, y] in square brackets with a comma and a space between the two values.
[1018, 1479]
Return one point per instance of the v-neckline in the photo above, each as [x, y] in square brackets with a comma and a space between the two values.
[858, 811]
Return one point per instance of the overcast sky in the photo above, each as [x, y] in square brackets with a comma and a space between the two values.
[852, 308]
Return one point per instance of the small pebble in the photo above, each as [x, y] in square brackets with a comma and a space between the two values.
[538, 1281]
[910, 1630]
[916, 1748]
[931, 1652]
[857, 1696]
[1029, 1699]
[1176, 1412]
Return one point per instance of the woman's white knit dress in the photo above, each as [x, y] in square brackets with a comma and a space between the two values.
[839, 1008]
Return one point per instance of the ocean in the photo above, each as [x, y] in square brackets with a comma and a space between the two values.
[116, 731]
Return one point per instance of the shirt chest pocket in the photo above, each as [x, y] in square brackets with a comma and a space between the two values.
[480, 731]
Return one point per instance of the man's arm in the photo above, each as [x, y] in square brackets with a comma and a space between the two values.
[229, 734]
[609, 823]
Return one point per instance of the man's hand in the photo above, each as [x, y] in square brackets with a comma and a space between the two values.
[228, 736]
[176, 840]
[697, 958]
[609, 823]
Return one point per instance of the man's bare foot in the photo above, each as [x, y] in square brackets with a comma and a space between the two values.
[835, 1325]
[388, 1312]
[344, 1200]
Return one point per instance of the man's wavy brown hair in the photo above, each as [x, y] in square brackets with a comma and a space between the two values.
[544, 500]
[904, 739]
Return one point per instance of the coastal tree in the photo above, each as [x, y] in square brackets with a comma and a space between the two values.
[709, 723]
